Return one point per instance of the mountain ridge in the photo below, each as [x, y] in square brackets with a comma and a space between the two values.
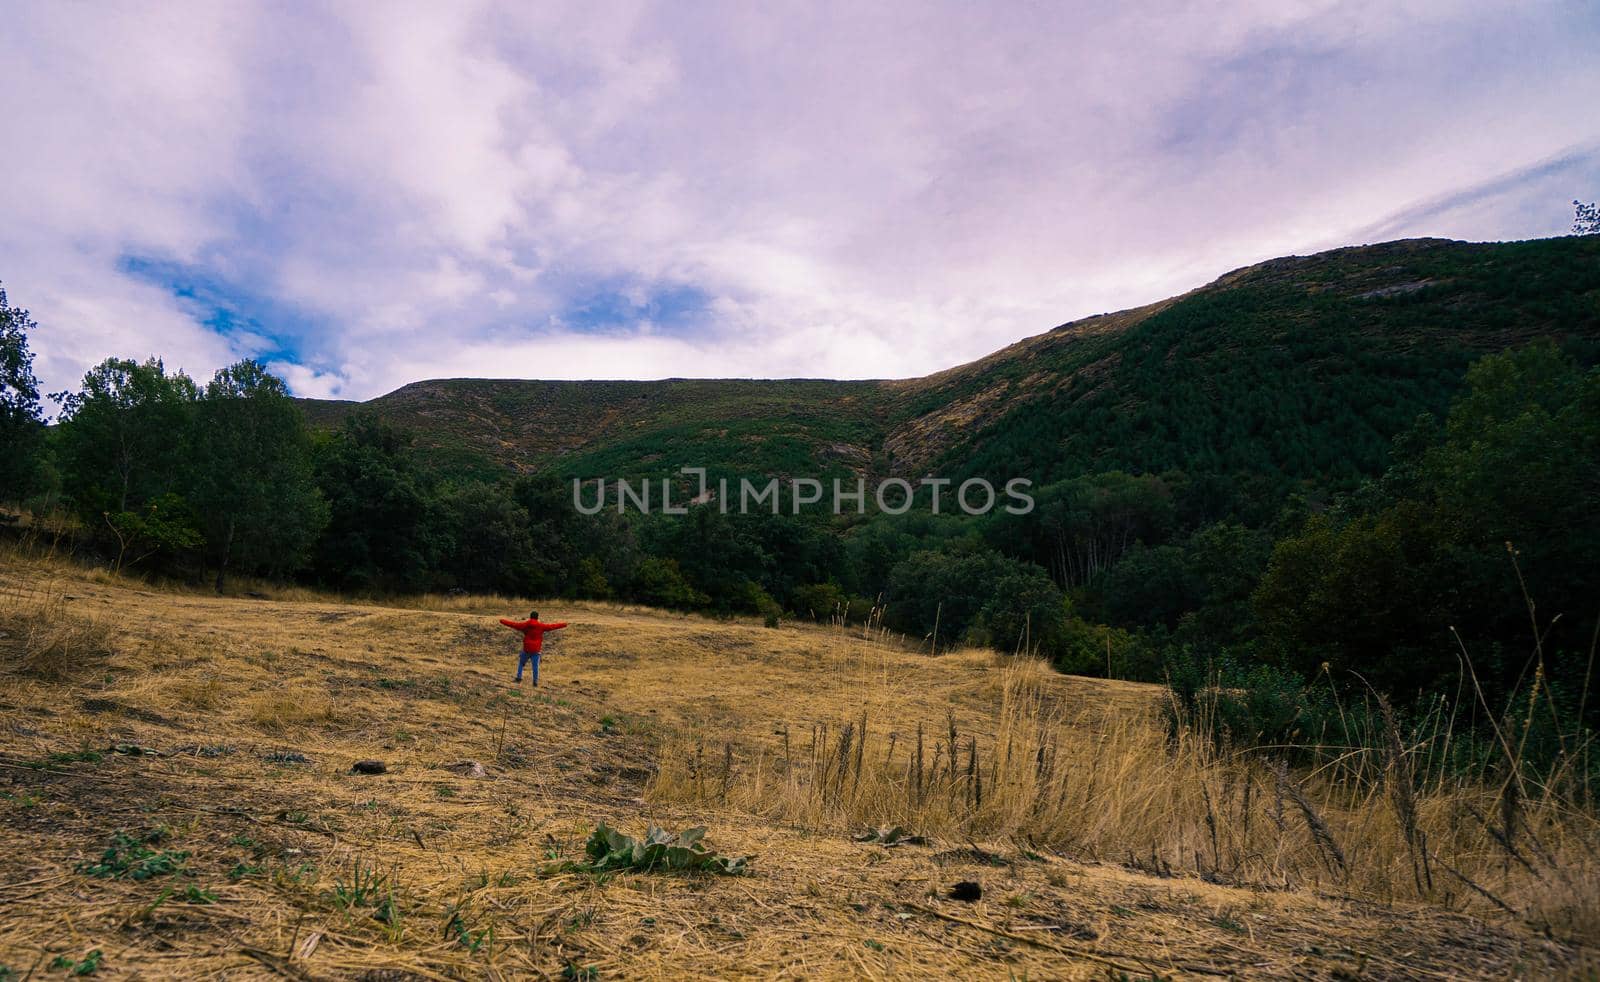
[1397, 320]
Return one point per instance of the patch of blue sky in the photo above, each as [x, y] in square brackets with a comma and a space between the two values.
[618, 305]
[257, 325]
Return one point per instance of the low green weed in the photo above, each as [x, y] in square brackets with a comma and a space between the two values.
[88, 965]
[609, 850]
[130, 858]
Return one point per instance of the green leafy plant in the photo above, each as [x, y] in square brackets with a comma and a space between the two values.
[387, 912]
[241, 870]
[609, 850]
[130, 858]
[88, 965]
[199, 895]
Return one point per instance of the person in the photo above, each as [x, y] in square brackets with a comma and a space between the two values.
[532, 641]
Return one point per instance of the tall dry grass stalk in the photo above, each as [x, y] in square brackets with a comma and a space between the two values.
[41, 636]
[1112, 787]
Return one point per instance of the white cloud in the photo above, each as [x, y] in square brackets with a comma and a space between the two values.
[860, 190]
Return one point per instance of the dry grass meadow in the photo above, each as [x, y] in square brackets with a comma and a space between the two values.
[208, 743]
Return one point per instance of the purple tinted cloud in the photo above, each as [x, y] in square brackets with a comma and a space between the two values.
[374, 194]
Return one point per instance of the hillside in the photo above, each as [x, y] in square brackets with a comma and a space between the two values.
[1297, 368]
[181, 785]
[503, 424]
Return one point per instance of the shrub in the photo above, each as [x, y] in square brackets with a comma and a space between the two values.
[660, 582]
[592, 580]
[1256, 705]
[1086, 648]
[756, 599]
[818, 601]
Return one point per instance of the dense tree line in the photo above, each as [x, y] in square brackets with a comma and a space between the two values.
[21, 422]
[1215, 556]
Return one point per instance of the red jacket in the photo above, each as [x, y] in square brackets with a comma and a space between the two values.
[533, 632]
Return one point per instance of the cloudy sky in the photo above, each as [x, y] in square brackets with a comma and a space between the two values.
[367, 195]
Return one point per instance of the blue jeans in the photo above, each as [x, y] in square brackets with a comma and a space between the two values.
[529, 658]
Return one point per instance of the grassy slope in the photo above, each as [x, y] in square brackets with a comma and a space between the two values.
[1302, 367]
[624, 428]
[234, 679]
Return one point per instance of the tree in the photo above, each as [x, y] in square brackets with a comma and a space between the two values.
[21, 423]
[382, 521]
[254, 486]
[719, 556]
[1517, 462]
[660, 582]
[1025, 612]
[125, 437]
[1224, 563]
[1357, 598]
[1079, 528]
[1585, 218]
[977, 597]
[579, 555]
[487, 545]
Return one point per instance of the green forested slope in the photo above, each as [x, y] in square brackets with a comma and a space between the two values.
[1294, 369]
[1298, 369]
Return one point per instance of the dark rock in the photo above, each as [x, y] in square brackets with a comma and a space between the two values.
[368, 767]
[966, 891]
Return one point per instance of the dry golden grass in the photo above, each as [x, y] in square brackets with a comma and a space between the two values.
[39, 638]
[278, 711]
[1108, 783]
[1121, 874]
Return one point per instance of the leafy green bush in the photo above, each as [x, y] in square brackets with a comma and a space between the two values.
[818, 601]
[977, 597]
[660, 582]
[1087, 648]
[1249, 705]
[591, 579]
[762, 603]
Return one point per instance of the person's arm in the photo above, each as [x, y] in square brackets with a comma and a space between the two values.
[558, 625]
[515, 625]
